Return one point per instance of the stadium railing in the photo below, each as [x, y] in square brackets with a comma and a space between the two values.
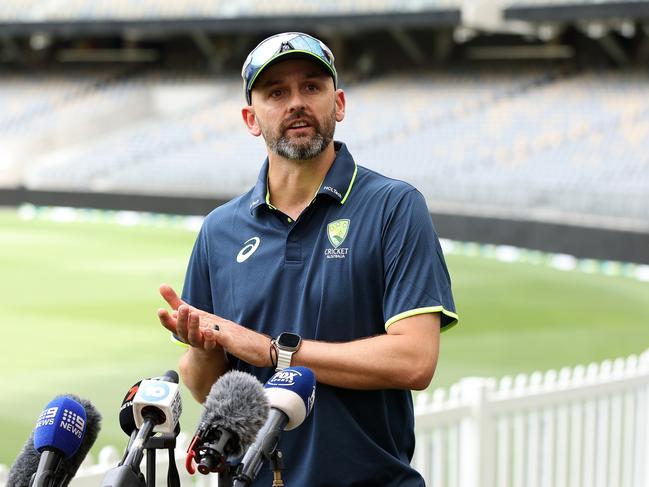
[587, 425]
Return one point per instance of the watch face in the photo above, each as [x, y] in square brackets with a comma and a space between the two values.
[289, 340]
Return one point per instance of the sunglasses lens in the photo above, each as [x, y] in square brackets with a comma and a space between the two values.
[267, 49]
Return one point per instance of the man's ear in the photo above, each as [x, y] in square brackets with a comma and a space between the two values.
[250, 119]
[340, 105]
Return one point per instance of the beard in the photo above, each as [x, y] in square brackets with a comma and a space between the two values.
[304, 147]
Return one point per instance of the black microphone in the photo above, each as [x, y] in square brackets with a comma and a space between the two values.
[149, 406]
[65, 431]
[156, 408]
[235, 410]
[126, 419]
[291, 393]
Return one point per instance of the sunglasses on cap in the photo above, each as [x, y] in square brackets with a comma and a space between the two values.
[289, 45]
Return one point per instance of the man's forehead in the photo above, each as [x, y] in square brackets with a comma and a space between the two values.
[300, 68]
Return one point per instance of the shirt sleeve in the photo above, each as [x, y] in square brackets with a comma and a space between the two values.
[196, 289]
[416, 277]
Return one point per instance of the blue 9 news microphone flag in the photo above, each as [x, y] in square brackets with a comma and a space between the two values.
[64, 433]
[60, 427]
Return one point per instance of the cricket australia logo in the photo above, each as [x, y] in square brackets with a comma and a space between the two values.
[336, 233]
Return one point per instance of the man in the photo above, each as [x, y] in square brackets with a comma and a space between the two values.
[324, 264]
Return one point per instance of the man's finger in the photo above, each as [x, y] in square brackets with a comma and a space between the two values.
[166, 320]
[210, 341]
[170, 296]
[181, 323]
[194, 334]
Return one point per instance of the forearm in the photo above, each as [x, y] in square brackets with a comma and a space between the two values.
[380, 362]
[404, 358]
[199, 369]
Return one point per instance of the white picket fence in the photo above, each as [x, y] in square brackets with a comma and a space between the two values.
[580, 427]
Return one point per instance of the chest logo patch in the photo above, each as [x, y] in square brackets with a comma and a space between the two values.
[249, 248]
[337, 232]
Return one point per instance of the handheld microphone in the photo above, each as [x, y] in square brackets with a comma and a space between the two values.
[291, 393]
[70, 466]
[156, 408]
[64, 433]
[126, 419]
[158, 400]
[235, 410]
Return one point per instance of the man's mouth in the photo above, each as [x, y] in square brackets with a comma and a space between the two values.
[297, 125]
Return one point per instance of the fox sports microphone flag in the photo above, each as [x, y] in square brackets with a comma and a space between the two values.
[291, 394]
[294, 390]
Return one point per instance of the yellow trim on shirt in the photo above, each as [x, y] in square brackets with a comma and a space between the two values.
[421, 311]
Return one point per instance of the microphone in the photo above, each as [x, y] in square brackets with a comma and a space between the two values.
[70, 466]
[156, 408]
[234, 411]
[291, 394]
[64, 433]
[126, 419]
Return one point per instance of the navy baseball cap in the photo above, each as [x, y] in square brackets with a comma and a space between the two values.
[280, 47]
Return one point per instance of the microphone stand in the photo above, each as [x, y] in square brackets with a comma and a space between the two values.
[162, 442]
[276, 465]
[128, 473]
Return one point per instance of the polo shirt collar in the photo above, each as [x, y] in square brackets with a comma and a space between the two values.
[341, 176]
[337, 183]
[260, 191]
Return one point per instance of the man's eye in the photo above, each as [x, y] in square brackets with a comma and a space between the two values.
[312, 87]
[275, 93]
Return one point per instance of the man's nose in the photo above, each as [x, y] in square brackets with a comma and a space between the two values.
[296, 101]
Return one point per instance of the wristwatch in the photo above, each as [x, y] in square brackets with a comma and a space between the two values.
[286, 345]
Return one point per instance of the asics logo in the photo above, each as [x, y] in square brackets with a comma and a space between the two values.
[249, 247]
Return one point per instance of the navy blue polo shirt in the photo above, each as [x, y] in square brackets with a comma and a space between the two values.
[363, 255]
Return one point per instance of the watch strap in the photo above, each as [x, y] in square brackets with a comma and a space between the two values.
[283, 359]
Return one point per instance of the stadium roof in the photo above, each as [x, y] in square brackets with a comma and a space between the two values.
[169, 16]
[568, 10]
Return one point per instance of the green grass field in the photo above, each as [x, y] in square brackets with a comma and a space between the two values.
[79, 305]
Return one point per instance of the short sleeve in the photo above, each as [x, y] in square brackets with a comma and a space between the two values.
[415, 273]
[196, 289]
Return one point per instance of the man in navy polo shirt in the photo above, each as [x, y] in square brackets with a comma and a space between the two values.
[323, 263]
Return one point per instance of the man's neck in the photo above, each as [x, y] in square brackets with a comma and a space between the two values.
[293, 184]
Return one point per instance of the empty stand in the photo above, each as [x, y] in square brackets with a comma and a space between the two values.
[517, 142]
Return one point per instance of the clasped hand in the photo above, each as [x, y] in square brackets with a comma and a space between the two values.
[207, 331]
